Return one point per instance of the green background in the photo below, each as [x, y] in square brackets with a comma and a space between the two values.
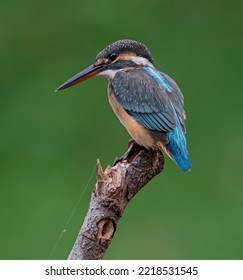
[49, 142]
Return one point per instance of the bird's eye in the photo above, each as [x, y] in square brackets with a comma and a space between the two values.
[112, 56]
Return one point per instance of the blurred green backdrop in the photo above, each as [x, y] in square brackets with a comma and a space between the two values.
[50, 141]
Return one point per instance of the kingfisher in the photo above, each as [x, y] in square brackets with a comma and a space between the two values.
[147, 102]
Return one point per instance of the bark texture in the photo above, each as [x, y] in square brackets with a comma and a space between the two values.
[115, 187]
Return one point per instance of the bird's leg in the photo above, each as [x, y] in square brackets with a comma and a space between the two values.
[133, 149]
[131, 142]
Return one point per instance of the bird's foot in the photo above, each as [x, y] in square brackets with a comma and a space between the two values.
[133, 149]
[131, 142]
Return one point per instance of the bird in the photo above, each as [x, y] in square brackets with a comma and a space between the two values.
[147, 102]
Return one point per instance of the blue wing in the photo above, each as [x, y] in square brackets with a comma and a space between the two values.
[156, 102]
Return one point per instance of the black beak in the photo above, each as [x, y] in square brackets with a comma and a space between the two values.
[87, 73]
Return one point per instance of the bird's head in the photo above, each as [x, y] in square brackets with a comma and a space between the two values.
[119, 55]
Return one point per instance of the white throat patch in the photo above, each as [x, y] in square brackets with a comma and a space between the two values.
[109, 74]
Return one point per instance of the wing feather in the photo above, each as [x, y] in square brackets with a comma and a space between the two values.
[144, 98]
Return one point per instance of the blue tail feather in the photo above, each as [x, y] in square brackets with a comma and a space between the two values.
[177, 146]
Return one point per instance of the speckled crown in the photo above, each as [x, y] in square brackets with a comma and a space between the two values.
[126, 46]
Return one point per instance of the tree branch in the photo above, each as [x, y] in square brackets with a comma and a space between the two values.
[114, 188]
